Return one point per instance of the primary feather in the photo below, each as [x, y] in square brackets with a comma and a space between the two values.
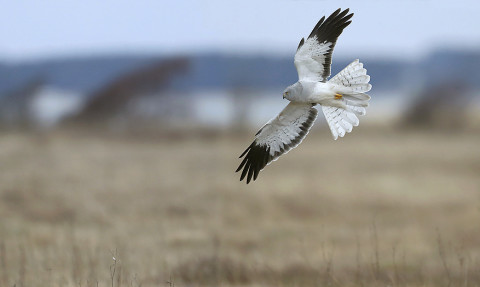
[314, 56]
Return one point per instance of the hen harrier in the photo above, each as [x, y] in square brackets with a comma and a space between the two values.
[342, 98]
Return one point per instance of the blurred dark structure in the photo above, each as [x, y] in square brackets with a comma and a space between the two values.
[112, 101]
[440, 106]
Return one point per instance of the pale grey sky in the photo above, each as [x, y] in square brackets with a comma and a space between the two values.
[38, 29]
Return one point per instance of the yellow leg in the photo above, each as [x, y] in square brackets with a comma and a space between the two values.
[338, 96]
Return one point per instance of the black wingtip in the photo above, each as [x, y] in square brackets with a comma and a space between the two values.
[331, 25]
[241, 164]
[256, 158]
[301, 43]
[329, 30]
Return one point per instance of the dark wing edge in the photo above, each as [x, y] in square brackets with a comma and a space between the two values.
[301, 43]
[328, 31]
[258, 156]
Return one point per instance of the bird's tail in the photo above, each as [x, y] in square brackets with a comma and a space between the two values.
[352, 83]
[353, 78]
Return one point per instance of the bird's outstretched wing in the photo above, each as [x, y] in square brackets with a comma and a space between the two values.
[314, 56]
[277, 137]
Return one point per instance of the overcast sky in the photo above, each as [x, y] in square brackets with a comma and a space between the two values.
[39, 29]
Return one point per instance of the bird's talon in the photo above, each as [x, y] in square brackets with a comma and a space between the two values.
[338, 97]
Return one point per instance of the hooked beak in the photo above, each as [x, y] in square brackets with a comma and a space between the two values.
[283, 95]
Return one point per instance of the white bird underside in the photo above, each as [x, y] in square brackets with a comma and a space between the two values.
[342, 98]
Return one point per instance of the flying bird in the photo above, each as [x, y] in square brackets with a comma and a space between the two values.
[342, 98]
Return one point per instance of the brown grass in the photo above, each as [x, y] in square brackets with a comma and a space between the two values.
[377, 208]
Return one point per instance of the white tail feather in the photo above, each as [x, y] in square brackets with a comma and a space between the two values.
[339, 120]
[354, 77]
[353, 81]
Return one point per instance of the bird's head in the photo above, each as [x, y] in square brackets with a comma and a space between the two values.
[292, 91]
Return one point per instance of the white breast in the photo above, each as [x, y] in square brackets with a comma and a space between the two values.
[315, 92]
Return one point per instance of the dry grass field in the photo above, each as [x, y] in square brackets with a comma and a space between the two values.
[377, 208]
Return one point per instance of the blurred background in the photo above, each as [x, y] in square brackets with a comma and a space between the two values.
[121, 124]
